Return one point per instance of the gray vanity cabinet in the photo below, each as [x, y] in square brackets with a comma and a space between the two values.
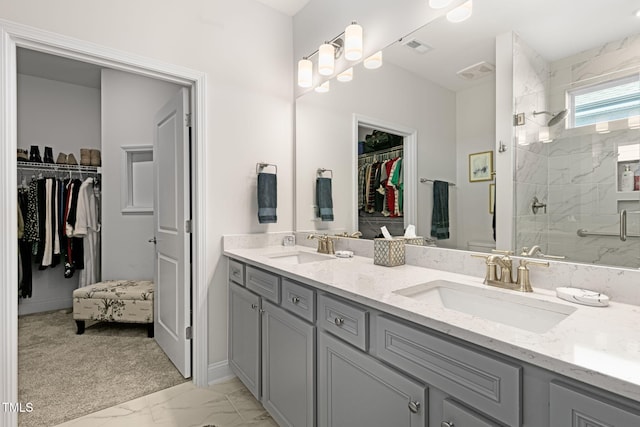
[288, 367]
[356, 390]
[244, 336]
[570, 407]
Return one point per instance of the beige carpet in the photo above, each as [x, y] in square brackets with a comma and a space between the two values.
[65, 375]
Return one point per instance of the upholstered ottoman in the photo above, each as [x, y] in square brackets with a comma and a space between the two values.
[125, 301]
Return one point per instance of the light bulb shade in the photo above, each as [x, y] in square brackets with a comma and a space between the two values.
[353, 42]
[323, 88]
[305, 73]
[634, 122]
[602, 127]
[346, 75]
[461, 13]
[439, 4]
[543, 134]
[374, 61]
[326, 59]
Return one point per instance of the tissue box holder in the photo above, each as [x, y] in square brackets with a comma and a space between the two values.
[389, 253]
[418, 240]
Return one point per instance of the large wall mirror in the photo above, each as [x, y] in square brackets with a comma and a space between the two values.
[575, 69]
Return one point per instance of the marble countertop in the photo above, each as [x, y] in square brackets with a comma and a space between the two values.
[599, 346]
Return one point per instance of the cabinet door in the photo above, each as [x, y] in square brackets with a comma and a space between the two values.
[456, 415]
[574, 408]
[288, 367]
[356, 390]
[244, 336]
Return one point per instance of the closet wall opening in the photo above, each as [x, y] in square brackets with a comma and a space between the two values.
[76, 122]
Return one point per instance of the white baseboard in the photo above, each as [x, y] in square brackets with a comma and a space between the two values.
[219, 372]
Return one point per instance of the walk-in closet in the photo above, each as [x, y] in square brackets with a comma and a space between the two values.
[380, 182]
[85, 215]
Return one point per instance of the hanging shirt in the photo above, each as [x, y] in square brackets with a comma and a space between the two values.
[87, 225]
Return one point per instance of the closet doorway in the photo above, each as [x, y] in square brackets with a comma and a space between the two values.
[15, 37]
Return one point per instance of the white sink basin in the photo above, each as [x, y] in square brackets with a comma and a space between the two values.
[298, 257]
[529, 314]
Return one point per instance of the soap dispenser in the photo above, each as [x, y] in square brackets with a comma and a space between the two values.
[627, 181]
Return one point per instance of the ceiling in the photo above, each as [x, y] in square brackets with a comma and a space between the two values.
[288, 7]
[43, 65]
[553, 28]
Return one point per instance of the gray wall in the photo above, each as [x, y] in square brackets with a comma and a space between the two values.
[129, 103]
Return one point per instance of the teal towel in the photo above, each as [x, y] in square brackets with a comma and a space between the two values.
[267, 198]
[324, 198]
[440, 216]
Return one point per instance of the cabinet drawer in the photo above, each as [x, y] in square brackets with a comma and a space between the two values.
[299, 300]
[488, 384]
[236, 271]
[454, 414]
[344, 320]
[263, 283]
[573, 408]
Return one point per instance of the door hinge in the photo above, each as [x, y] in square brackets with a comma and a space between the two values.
[188, 333]
[187, 120]
[187, 226]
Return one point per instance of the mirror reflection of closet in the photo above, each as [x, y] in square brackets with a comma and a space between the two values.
[380, 182]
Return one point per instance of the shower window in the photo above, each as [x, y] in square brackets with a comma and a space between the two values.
[612, 100]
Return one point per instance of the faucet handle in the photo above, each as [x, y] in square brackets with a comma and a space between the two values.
[491, 273]
[523, 281]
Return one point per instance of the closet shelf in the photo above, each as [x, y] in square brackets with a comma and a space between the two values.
[57, 167]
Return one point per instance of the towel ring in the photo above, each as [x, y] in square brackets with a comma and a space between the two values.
[320, 171]
[260, 166]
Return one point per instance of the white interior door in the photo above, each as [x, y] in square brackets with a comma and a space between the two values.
[172, 276]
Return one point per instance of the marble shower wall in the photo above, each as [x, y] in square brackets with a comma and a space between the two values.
[531, 93]
[581, 165]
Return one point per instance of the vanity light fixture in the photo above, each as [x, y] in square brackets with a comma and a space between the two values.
[346, 75]
[543, 135]
[326, 59]
[461, 13]
[374, 61]
[353, 42]
[439, 4]
[602, 127]
[349, 41]
[323, 88]
[305, 73]
[634, 122]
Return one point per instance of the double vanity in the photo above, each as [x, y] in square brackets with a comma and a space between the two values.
[329, 341]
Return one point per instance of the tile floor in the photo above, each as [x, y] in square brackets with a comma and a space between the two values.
[228, 404]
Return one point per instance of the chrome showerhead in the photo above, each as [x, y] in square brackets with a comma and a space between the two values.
[556, 118]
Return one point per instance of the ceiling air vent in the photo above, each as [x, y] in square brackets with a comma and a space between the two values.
[477, 71]
[417, 45]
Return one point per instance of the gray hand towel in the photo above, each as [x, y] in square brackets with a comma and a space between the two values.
[440, 217]
[267, 198]
[324, 199]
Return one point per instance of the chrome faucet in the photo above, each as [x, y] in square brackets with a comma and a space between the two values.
[505, 279]
[325, 243]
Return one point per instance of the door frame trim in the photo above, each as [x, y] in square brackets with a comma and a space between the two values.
[12, 36]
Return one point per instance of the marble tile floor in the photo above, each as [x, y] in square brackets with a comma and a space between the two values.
[228, 404]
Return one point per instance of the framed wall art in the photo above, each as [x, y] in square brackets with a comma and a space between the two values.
[481, 166]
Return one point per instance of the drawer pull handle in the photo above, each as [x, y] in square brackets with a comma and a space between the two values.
[414, 406]
[339, 321]
[254, 306]
[446, 424]
[261, 311]
[236, 273]
[295, 300]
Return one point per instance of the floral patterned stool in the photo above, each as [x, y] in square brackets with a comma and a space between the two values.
[125, 301]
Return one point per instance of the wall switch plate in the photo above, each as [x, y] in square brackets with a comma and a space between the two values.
[518, 119]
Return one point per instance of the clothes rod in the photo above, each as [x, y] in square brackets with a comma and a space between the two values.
[423, 180]
[56, 167]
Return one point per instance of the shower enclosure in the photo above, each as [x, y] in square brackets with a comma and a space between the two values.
[581, 131]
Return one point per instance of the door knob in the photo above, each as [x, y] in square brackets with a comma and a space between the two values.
[153, 240]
